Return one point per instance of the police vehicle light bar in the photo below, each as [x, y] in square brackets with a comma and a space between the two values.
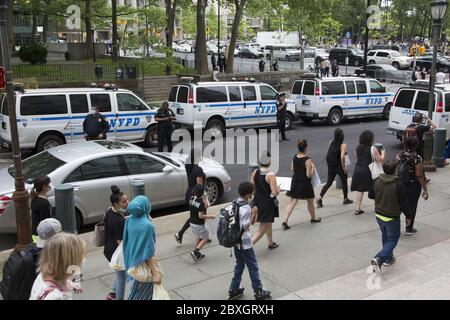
[106, 86]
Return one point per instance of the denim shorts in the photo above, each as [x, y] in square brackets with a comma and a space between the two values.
[200, 231]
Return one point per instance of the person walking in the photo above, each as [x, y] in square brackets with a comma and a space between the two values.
[61, 253]
[362, 177]
[114, 225]
[423, 74]
[195, 176]
[265, 202]
[244, 253]
[334, 68]
[420, 125]
[301, 187]
[95, 125]
[165, 117]
[281, 116]
[336, 155]
[327, 67]
[262, 65]
[323, 66]
[416, 183]
[275, 66]
[391, 201]
[139, 247]
[213, 61]
[41, 208]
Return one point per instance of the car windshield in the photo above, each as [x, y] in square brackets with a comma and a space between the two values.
[321, 51]
[40, 165]
[395, 54]
[165, 159]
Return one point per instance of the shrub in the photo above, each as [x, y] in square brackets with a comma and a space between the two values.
[35, 54]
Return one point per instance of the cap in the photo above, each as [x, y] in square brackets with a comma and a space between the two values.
[46, 229]
[282, 94]
[265, 158]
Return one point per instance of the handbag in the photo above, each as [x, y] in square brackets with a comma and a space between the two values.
[117, 262]
[159, 293]
[347, 161]
[142, 272]
[98, 238]
[375, 167]
[315, 179]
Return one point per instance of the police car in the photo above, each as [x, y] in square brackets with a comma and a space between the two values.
[336, 98]
[220, 105]
[51, 117]
[414, 99]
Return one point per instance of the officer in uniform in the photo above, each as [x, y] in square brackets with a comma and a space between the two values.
[165, 118]
[95, 125]
[281, 115]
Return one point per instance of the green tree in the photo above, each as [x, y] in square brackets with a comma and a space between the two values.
[201, 57]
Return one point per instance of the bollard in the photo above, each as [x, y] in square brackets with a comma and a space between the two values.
[138, 188]
[338, 182]
[428, 164]
[439, 144]
[65, 207]
[251, 167]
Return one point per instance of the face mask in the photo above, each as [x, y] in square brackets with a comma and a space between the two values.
[122, 210]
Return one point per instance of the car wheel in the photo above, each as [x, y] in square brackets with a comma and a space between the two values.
[49, 141]
[151, 137]
[307, 120]
[288, 58]
[289, 121]
[216, 125]
[334, 117]
[372, 62]
[387, 111]
[445, 70]
[396, 65]
[213, 190]
[357, 63]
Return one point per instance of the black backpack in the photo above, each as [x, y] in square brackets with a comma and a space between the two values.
[402, 171]
[19, 273]
[334, 154]
[229, 232]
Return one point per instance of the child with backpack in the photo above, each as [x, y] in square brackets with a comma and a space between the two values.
[243, 247]
[197, 208]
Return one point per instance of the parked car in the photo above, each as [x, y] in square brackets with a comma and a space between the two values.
[184, 48]
[212, 48]
[250, 52]
[426, 62]
[319, 54]
[389, 57]
[282, 52]
[93, 166]
[384, 72]
[385, 47]
[356, 56]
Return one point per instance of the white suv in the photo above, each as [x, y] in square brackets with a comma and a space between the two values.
[390, 57]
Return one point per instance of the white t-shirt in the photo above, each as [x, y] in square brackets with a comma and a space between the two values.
[42, 288]
[245, 214]
[440, 77]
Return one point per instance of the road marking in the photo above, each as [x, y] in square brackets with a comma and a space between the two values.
[5, 160]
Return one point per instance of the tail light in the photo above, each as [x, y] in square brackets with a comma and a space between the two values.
[4, 203]
[394, 101]
[440, 107]
[317, 92]
[191, 97]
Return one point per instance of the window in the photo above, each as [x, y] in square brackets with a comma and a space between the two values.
[361, 86]
[138, 164]
[375, 87]
[447, 102]
[383, 54]
[249, 22]
[101, 100]
[404, 99]
[308, 88]
[173, 94]
[235, 93]
[75, 176]
[350, 87]
[211, 94]
[297, 88]
[371, 53]
[79, 103]
[128, 102]
[101, 168]
[422, 101]
[41, 105]
[267, 93]
[249, 93]
[40, 165]
[183, 95]
[4, 105]
[333, 87]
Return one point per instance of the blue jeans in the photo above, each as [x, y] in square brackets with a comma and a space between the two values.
[390, 233]
[447, 150]
[245, 258]
[119, 285]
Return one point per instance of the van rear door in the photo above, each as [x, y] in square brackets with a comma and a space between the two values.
[4, 121]
[445, 118]
[402, 111]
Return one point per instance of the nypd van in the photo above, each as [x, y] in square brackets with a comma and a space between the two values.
[336, 98]
[51, 117]
[220, 105]
[414, 99]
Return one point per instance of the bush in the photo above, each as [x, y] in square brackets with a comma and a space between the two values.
[35, 54]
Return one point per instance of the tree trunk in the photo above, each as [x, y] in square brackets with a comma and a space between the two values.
[10, 25]
[88, 25]
[240, 4]
[45, 23]
[201, 56]
[171, 9]
[115, 49]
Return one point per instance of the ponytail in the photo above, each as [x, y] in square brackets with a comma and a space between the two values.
[39, 184]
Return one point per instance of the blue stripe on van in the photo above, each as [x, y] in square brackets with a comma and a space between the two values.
[361, 96]
[363, 107]
[109, 132]
[82, 117]
[239, 104]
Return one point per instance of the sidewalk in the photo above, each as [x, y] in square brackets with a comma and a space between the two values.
[321, 261]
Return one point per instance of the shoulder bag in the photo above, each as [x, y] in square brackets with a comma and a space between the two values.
[98, 238]
[375, 167]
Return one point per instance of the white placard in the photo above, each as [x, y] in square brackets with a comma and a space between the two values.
[284, 183]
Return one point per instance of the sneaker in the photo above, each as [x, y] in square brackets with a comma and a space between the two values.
[285, 226]
[196, 255]
[263, 294]
[427, 180]
[389, 262]
[209, 241]
[376, 265]
[410, 231]
[319, 203]
[111, 296]
[273, 245]
[348, 201]
[178, 238]
[235, 294]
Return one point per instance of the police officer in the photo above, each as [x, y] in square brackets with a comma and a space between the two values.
[281, 115]
[275, 65]
[262, 65]
[165, 118]
[213, 62]
[95, 125]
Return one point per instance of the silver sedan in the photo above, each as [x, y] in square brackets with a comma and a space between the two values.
[93, 166]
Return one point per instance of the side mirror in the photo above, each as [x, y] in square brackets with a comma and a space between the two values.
[384, 89]
[167, 169]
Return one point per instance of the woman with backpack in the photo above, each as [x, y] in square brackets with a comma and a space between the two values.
[362, 177]
[114, 224]
[301, 187]
[336, 155]
[40, 206]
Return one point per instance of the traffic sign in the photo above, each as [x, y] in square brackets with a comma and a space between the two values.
[348, 34]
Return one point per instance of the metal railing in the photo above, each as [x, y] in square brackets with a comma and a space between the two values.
[401, 77]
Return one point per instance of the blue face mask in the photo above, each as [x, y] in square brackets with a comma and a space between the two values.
[122, 210]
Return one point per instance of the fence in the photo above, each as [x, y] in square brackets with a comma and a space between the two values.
[387, 76]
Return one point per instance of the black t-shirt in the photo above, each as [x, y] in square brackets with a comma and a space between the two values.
[114, 225]
[196, 205]
[40, 210]
[94, 124]
[421, 131]
[192, 176]
[281, 108]
[164, 113]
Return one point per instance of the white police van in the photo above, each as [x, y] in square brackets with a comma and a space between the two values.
[51, 117]
[220, 105]
[414, 99]
[336, 98]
